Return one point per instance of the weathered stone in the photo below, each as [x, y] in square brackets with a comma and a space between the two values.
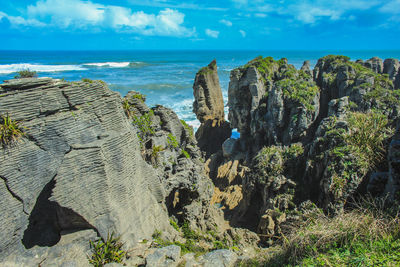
[391, 67]
[228, 147]
[209, 108]
[263, 106]
[306, 68]
[212, 134]
[219, 258]
[79, 148]
[208, 103]
[164, 257]
[375, 64]
[393, 183]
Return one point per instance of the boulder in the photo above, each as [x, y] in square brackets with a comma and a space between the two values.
[219, 258]
[164, 257]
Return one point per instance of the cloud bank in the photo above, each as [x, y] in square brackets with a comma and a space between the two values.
[78, 14]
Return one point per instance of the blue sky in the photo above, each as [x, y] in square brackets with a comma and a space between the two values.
[206, 24]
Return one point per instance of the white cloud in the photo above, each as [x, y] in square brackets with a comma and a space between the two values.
[392, 7]
[226, 22]
[243, 33]
[79, 14]
[211, 33]
[260, 15]
[310, 12]
[20, 21]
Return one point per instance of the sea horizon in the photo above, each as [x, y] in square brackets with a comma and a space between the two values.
[165, 76]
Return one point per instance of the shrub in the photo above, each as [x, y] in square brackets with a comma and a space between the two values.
[107, 251]
[139, 96]
[87, 80]
[143, 122]
[171, 140]
[10, 131]
[26, 73]
[364, 139]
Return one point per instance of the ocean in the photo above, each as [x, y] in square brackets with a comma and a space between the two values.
[165, 77]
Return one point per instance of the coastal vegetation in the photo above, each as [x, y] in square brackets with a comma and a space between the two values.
[143, 122]
[26, 73]
[107, 251]
[367, 234]
[10, 130]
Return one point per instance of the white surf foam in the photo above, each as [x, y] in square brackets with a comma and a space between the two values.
[114, 64]
[10, 68]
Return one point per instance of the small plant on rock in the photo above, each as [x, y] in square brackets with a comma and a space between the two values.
[10, 131]
[171, 140]
[107, 251]
[87, 80]
[26, 73]
[143, 122]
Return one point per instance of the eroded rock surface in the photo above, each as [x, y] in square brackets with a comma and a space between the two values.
[79, 167]
[298, 132]
[209, 109]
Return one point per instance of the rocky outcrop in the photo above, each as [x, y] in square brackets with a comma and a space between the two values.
[209, 109]
[270, 102]
[80, 171]
[168, 144]
[77, 168]
[208, 103]
[301, 134]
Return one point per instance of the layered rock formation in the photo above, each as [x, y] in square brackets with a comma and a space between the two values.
[80, 171]
[209, 109]
[169, 145]
[310, 135]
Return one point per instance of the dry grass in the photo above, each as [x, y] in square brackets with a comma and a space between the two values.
[367, 224]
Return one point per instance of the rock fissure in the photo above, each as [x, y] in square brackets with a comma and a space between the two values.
[71, 107]
[14, 195]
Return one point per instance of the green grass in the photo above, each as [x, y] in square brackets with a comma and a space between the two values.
[106, 251]
[26, 73]
[188, 128]
[10, 131]
[186, 154]
[366, 235]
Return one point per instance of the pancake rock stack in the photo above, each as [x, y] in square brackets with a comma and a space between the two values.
[209, 109]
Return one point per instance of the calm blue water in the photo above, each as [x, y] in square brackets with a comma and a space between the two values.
[165, 77]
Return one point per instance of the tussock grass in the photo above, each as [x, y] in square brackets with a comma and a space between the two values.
[367, 235]
[10, 131]
[106, 251]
